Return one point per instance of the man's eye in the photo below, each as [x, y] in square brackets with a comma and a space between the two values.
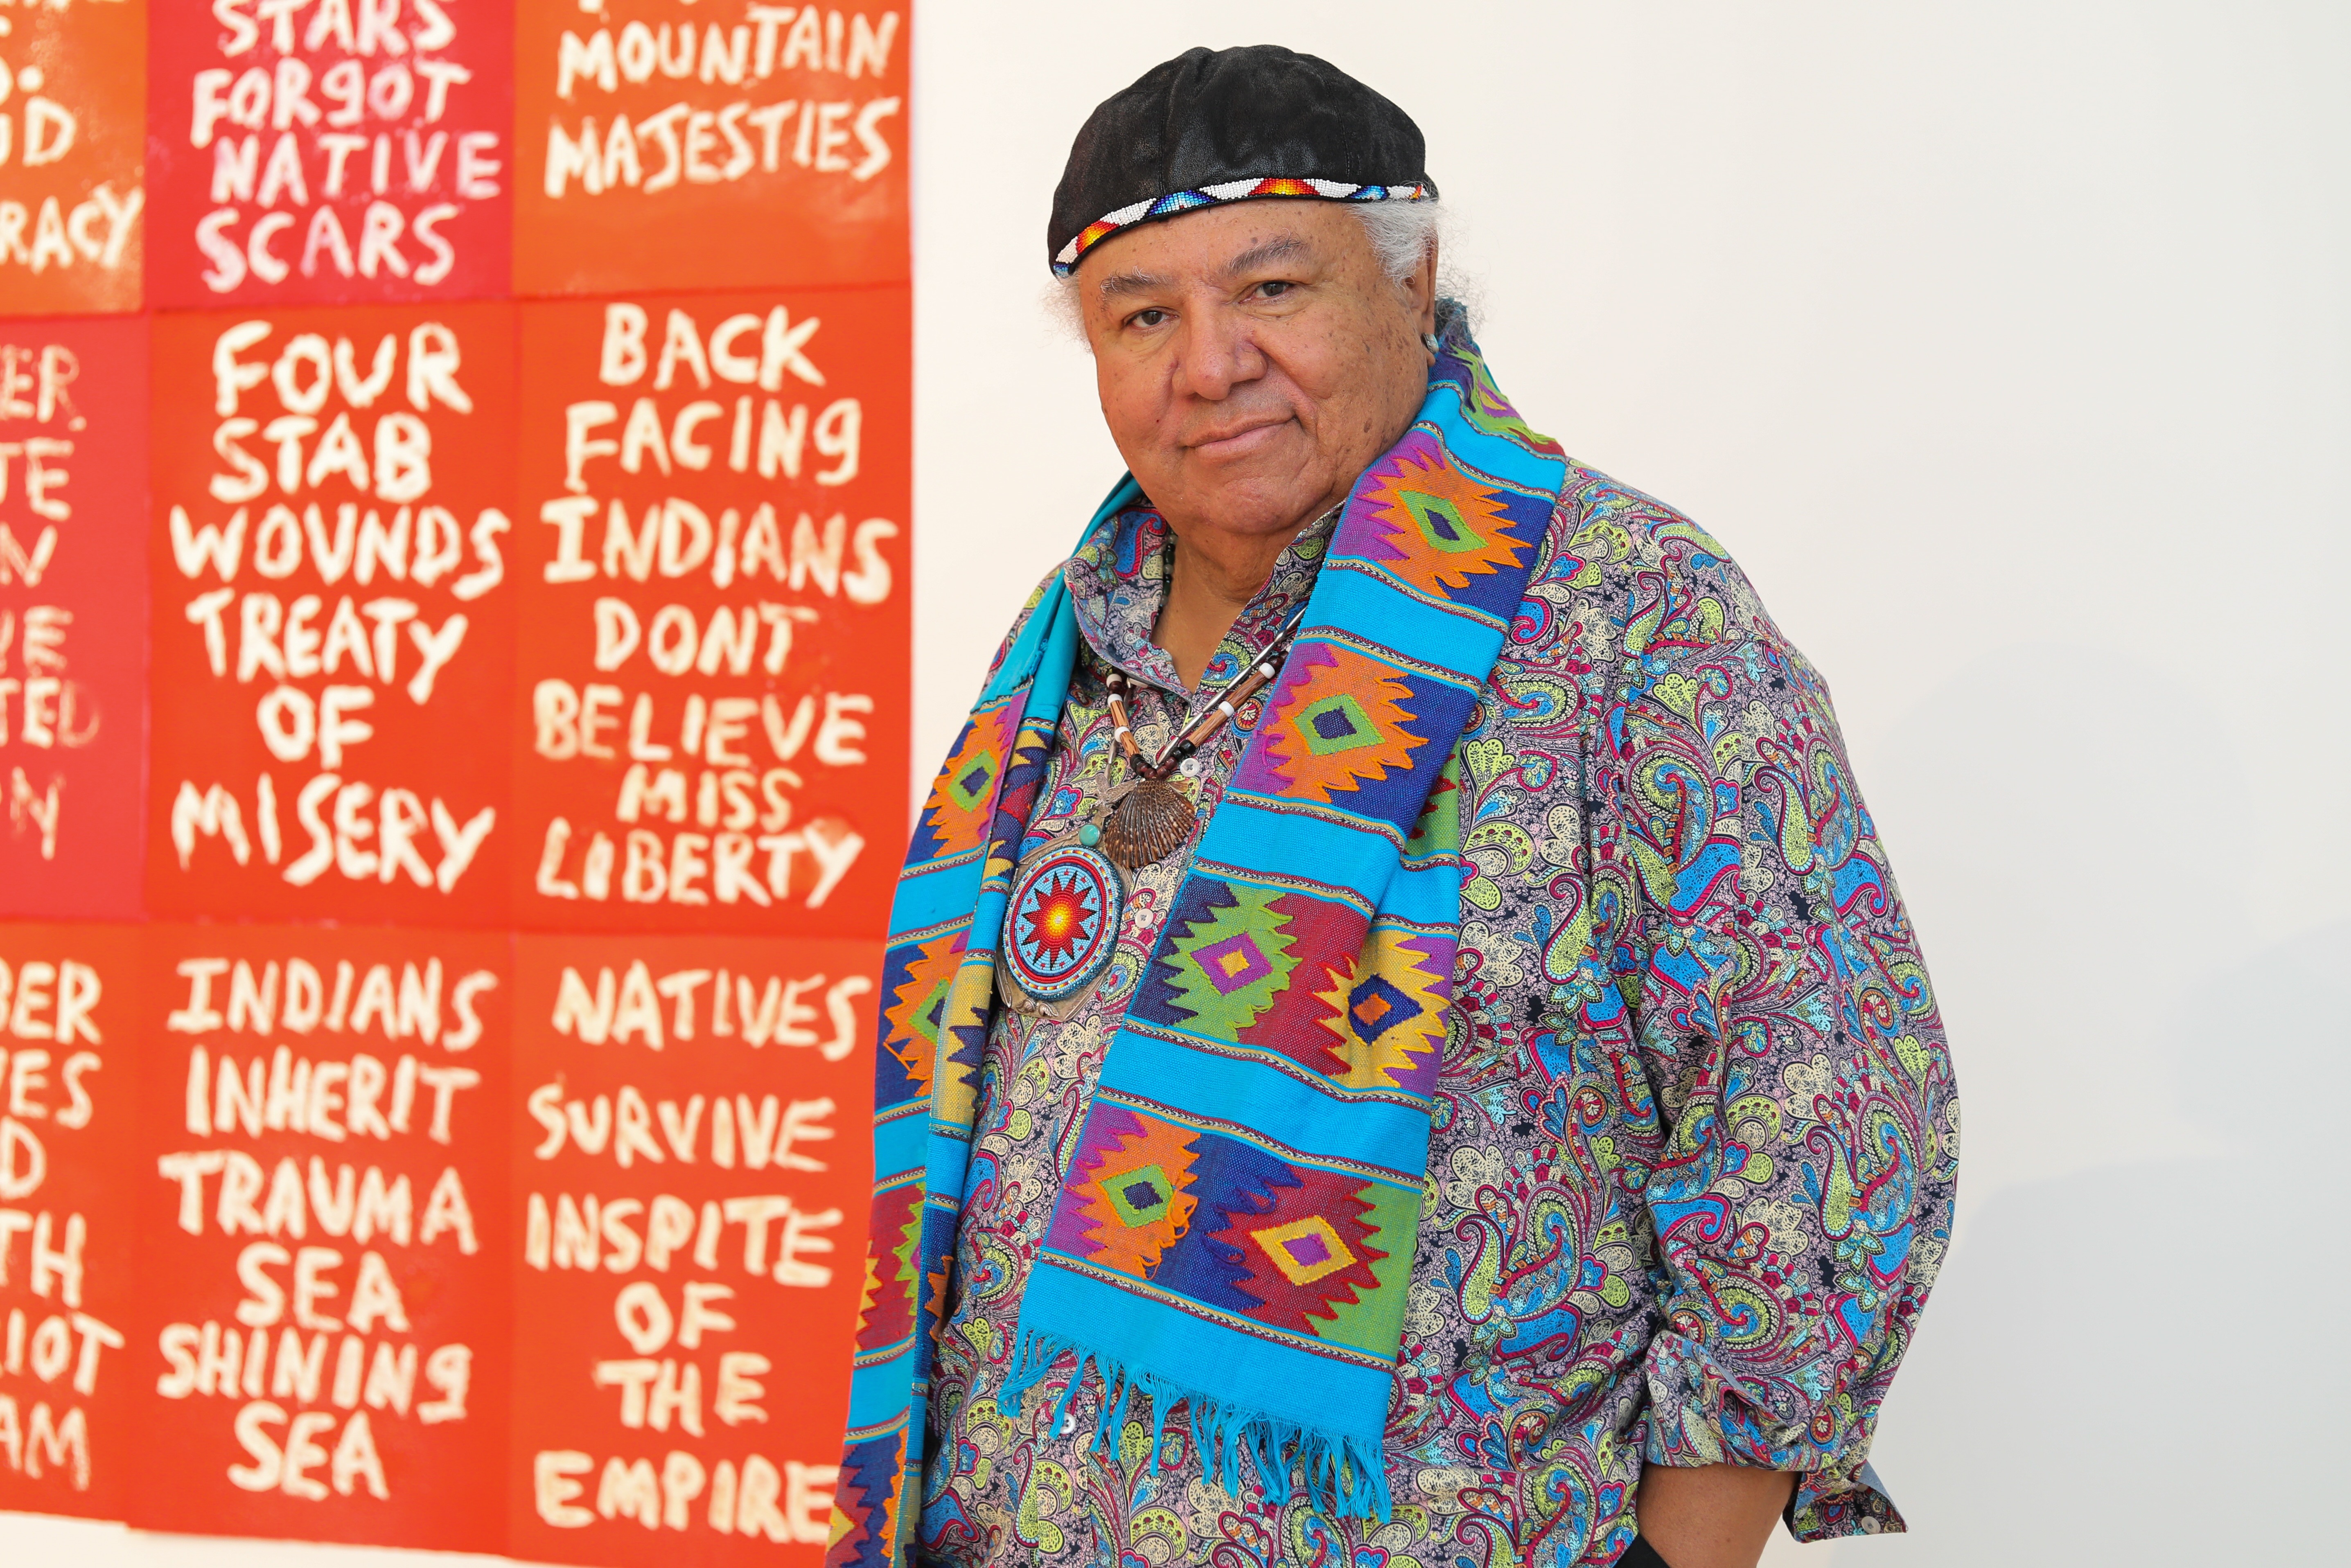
[1152, 318]
[1274, 289]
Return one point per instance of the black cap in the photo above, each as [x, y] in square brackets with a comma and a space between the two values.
[1231, 125]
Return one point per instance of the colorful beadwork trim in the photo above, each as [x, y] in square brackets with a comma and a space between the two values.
[1061, 921]
[1101, 228]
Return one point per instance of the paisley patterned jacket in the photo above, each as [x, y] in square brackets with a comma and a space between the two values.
[1695, 1133]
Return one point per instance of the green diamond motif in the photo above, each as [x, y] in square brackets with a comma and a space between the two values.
[1336, 723]
[1439, 830]
[1442, 524]
[968, 787]
[927, 1017]
[1140, 1196]
[1213, 1008]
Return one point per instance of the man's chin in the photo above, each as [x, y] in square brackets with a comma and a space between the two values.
[1257, 496]
[1253, 510]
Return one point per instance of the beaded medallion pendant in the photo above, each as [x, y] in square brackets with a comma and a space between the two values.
[1061, 924]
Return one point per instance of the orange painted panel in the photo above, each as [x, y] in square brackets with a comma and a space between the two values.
[73, 123]
[689, 1188]
[319, 1187]
[333, 614]
[70, 1385]
[710, 709]
[667, 144]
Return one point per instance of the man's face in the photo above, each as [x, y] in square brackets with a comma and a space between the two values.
[1253, 359]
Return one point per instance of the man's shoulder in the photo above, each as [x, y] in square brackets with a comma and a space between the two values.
[1614, 552]
[1609, 520]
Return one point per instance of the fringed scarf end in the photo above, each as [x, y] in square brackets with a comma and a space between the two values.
[1341, 1475]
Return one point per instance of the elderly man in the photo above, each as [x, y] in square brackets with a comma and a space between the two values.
[1400, 1043]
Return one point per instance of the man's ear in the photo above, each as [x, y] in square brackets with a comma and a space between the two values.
[1423, 284]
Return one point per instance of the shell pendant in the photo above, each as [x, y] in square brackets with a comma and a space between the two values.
[1150, 820]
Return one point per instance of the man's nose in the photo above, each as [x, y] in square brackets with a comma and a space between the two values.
[1219, 353]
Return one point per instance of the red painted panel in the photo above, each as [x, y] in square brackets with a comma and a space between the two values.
[333, 627]
[689, 1191]
[710, 709]
[330, 150]
[321, 1201]
[73, 615]
[69, 1383]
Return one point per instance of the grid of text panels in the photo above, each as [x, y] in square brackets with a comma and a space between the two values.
[453, 683]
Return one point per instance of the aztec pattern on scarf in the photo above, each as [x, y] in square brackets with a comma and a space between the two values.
[1237, 1226]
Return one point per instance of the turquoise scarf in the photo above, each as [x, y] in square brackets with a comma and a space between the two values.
[1237, 1225]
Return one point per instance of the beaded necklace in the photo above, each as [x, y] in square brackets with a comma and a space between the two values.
[1150, 818]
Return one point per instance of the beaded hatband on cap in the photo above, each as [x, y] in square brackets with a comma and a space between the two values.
[1167, 206]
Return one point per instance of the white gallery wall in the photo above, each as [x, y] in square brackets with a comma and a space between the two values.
[2008, 346]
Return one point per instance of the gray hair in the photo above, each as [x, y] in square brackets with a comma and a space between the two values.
[1402, 234]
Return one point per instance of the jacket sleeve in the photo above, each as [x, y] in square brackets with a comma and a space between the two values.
[1801, 1149]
